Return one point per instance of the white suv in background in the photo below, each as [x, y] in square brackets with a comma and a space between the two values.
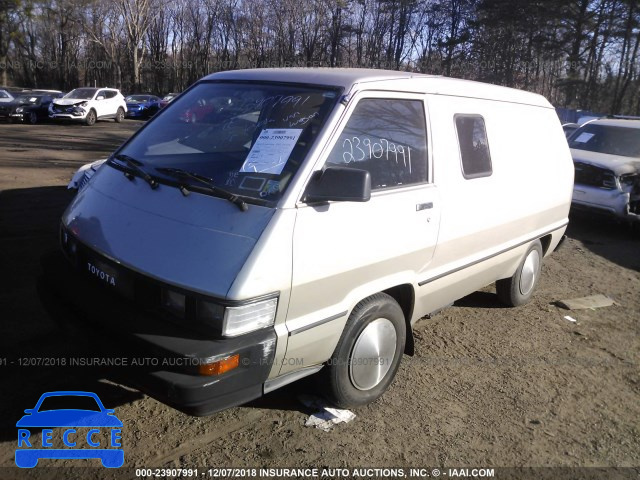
[88, 105]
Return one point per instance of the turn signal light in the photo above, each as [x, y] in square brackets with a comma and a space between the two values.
[221, 366]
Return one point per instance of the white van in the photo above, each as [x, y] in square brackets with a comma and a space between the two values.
[306, 220]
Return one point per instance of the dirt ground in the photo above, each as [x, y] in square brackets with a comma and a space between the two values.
[488, 386]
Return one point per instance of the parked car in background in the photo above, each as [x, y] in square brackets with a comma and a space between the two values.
[167, 99]
[54, 93]
[89, 105]
[6, 96]
[142, 106]
[27, 108]
[606, 157]
[198, 111]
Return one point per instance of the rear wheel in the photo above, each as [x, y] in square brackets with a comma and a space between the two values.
[119, 115]
[368, 354]
[519, 289]
[90, 118]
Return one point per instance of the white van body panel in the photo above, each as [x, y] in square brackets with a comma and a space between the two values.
[524, 198]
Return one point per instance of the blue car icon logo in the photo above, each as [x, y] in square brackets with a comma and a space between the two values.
[87, 431]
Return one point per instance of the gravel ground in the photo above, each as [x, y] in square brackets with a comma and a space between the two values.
[488, 386]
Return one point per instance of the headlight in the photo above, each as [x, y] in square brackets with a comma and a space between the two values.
[19, 110]
[247, 318]
[234, 321]
[227, 321]
[84, 104]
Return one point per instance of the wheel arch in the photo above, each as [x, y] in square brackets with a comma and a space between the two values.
[405, 296]
[546, 242]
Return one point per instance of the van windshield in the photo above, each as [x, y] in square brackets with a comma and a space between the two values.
[246, 138]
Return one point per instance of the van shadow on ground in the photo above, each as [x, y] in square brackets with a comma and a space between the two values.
[32, 340]
[38, 333]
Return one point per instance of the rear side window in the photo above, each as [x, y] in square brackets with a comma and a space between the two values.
[474, 146]
[386, 137]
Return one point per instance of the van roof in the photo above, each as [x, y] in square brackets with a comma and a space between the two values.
[347, 78]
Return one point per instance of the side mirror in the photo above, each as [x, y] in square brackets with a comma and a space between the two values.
[29, 411]
[340, 184]
[99, 97]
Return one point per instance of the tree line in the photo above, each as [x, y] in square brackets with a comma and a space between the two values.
[578, 53]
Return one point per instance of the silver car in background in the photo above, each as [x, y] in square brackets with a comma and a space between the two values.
[606, 156]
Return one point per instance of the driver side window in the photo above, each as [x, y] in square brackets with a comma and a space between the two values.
[386, 137]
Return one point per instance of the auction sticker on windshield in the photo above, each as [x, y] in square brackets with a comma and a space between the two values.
[271, 151]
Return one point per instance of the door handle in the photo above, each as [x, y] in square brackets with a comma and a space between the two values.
[424, 206]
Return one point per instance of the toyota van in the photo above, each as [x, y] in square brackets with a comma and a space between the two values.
[304, 220]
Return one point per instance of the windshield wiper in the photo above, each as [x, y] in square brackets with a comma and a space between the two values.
[208, 183]
[136, 166]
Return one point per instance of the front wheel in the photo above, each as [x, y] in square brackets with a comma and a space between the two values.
[119, 115]
[368, 354]
[518, 289]
[91, 118]
[32, 118]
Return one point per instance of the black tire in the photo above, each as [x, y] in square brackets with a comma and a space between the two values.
[119, 115]
[90, 119]
[340, 376]
[518, 289]
[32, 118]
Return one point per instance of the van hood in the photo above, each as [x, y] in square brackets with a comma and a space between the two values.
[197, 242]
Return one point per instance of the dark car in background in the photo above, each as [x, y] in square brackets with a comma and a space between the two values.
[142, 106]
[28, 107]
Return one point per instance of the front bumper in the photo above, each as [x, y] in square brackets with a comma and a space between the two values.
[136, 113]
[620, 212]
[172, 353]
[67, 116]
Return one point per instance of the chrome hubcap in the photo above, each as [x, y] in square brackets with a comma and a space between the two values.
[529, 272]
[372, 354]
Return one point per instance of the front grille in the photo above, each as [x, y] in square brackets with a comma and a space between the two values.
[61, 109]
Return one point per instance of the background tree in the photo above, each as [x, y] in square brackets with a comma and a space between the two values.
[578, 53]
